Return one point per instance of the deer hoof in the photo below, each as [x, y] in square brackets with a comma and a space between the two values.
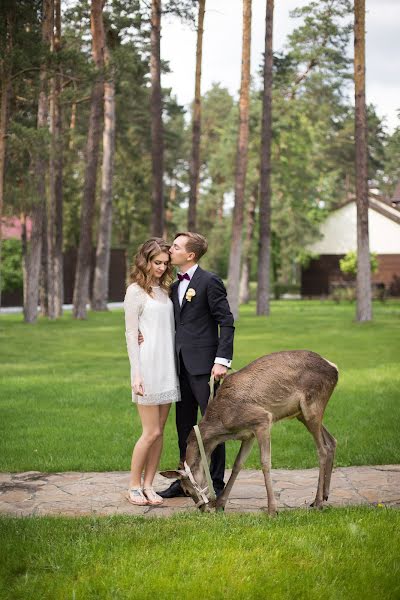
[220, 509]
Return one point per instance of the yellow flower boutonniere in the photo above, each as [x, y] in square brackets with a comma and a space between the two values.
[189, 294]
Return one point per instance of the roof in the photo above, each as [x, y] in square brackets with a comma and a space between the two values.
[338, 232]
[388, 207]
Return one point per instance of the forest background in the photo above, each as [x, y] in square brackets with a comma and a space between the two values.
[312, 148]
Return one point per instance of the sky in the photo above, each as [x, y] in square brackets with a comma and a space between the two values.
[222, 49]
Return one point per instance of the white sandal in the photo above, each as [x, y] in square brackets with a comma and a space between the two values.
[136, 497]
[152, 496]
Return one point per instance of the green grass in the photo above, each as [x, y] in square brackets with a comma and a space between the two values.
[65, 391]
[334, 554]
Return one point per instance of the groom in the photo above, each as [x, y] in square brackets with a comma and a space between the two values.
[203, 343]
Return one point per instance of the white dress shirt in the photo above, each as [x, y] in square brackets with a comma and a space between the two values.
[182, 288]
[184, 284]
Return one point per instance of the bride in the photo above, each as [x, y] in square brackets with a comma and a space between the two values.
[154, 380]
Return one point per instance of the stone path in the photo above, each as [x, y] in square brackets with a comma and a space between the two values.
[73, 494]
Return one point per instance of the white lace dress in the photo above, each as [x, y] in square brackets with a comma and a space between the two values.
[154, 359]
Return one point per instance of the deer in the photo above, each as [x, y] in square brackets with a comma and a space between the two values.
[282, 385]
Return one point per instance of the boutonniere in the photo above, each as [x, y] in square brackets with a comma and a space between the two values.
[190, 294]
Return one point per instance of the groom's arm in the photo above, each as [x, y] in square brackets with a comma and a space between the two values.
[221, 312]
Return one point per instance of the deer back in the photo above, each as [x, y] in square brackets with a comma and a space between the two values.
[274, 384]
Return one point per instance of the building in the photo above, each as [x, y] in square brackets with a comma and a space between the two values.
[12, 228]
[339, 236]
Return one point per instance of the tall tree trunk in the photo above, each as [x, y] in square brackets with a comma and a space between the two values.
[44, 271]
[33, 253]
[58, 256]
[196, 125]
[24, 251]
[100, 286]
[157, 141]
[5, 89]
[169, 208]
[55, 224]
[5, 74]
[244, 291]
[364, 304]
[82, 275]
[264, 249]
[241, 165]
[72, 125]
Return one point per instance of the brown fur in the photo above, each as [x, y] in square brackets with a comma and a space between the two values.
[294, 383]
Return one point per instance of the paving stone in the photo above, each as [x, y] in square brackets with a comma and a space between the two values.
[29, 475]
[15, 496]
[372, 495]
[342, 493]
[5, 477]
[76, 494]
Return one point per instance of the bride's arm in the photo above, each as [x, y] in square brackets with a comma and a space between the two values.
[133, 304]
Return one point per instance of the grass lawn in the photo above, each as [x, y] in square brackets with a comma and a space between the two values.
[65, 391]
[335, 554]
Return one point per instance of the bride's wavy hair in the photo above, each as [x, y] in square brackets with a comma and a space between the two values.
[141, 267]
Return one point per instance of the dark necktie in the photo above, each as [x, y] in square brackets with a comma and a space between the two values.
[182, 276]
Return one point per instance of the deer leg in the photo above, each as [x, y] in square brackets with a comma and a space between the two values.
[314, 426]
[330, 442]
[240, 459]
[264, 441]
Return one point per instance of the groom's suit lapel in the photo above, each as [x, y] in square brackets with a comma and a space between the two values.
[192, 284]
[175, 298]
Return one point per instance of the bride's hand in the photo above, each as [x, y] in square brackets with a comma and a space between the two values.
[138, 386]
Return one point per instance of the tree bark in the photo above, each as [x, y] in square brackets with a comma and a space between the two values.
[82, 275]
[5, 89]
[264, 248]
[33, 253]
[72, 125]
[169, 208]
[55, 224]
[241, 165]
[196, 124]
[100, 286]
[157, 141]
[24, 251]
[4, 109]
[44, 271]
[244, 291]
[364, 304]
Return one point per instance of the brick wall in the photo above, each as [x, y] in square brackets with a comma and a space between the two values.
[321, 273]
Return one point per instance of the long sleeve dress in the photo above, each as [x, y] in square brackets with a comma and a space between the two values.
[154, 359]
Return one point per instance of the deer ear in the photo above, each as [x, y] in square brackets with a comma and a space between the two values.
[174, 474]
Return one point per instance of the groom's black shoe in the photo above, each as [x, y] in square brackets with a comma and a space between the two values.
[174, 491]
[218, 491]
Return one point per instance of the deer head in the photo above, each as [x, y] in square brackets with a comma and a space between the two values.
[193, 484]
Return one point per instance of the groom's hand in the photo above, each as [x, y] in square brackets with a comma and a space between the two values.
[140, 338]
[219, 371]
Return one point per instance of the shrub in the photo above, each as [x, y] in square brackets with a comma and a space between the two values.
[348, 264]
[11, 265]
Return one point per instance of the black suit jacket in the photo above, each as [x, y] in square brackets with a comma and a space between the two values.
[204, 326]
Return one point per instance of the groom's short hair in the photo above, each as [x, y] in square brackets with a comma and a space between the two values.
[196, 243]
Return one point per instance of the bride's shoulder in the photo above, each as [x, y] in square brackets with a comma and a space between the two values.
[134, 291]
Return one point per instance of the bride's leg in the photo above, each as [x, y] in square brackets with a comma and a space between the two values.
[151, 433]
[153, 457]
